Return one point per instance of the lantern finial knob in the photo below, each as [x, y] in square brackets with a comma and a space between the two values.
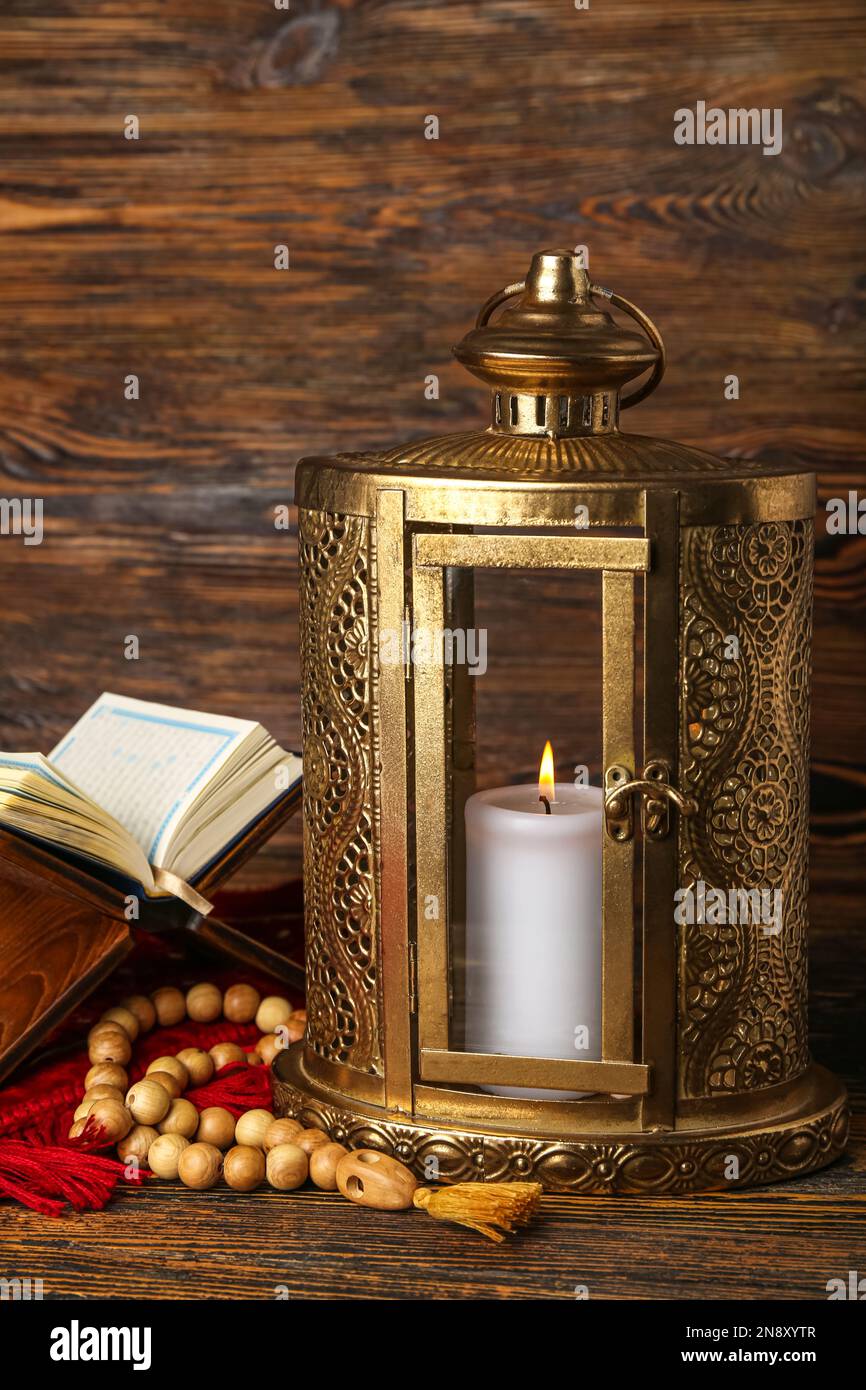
[556, 359]
[556, 277]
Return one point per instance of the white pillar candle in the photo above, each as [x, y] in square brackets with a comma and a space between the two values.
[533, 926]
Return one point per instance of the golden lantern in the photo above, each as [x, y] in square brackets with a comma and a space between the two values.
[697, 1073]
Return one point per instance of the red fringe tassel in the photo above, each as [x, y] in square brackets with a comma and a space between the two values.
[50, 1174]
[46, 1177]
[236, 1087]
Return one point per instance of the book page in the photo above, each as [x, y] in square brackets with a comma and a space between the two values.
[37, 800]
[144, 762]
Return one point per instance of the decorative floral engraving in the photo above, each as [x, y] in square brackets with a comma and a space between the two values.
[653, 1167]
[744, 757]
[339, 879]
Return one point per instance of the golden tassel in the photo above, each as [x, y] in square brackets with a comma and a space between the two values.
[482, 1205]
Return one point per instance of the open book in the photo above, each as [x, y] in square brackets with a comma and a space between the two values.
[147, 790]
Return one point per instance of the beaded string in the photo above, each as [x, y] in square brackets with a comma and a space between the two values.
[212, 1133]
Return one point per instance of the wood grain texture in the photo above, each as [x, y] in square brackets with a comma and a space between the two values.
[769, 1245]
[779, 1242]
[259, 128]
[54, 953]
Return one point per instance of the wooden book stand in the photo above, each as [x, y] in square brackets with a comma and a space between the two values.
[63, 930]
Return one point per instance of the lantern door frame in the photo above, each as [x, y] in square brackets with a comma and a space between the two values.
[628, 1089]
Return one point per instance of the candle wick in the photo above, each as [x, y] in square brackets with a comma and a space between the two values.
[547, 810]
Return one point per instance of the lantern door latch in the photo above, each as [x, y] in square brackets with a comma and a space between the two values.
[656, 796]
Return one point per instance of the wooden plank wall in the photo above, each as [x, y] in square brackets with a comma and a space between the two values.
[258, 127]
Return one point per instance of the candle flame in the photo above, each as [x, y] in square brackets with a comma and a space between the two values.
[547, 774]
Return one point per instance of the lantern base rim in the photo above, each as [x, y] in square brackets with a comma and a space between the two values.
[685, 1160]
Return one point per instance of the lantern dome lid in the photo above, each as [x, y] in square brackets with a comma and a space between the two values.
[556, 362]
[556, 337]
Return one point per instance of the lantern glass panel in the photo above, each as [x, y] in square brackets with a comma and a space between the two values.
[525, 863]
[526, 927]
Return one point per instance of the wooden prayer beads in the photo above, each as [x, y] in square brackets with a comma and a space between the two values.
[272, 1012]
[154, 1125]
[216, 1126]
[137, 1144]
[373, 1179]
[268, 1046]
[199, 1166]
[110, 1045]
[286, 1167]
[143, 1008]
[241, 1003]
[309, 1139]
[163, 1156]
[108, 1074]
[169, 1083]
[180, 1118]
[103, 1028]
[102, 1092]
[223, 1053]
[170, 1006]
[152, 1119]
[199, 1064]
[204, 1003]
[113, 1117]
[281, 1132]
[244, 1168]
[174, 1067]
[147, 1101]
[125, 1019]
[252, 1127]
[323, 1165]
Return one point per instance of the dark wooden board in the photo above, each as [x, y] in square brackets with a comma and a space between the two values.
[179, 1244]
[259, 128]
[54, 952]
[785, 1241]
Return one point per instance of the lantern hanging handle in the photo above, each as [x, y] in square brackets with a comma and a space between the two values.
[495, 300]
[645, 322]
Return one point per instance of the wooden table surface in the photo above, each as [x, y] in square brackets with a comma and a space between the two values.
[778, 1242]
[156, 258]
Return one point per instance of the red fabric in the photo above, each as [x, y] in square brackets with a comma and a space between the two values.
[47, 1177]
[237, 1087]
[43, 1169]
